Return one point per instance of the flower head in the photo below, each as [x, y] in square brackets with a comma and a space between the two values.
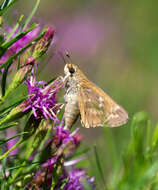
[42, 98]
[63, 135]
[75, 177]
[60, 146]
[43, 44]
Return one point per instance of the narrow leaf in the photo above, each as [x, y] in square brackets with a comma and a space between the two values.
[6, 45]
[64, 183]
[11, 106]
[2, 141]
[10, 60]
[3, 81]
[21, 166]
[8, 126]
[155, 137]
[3, 156]
[31, 14]
[6, 4]
[14, 28]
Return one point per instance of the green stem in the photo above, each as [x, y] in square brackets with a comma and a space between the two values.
[12, 148]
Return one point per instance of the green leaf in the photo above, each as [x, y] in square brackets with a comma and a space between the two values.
[3, 169]
[8, 109]
[14, 28]
[8, 126]
[86, 185]
[64, 181]
[18, 63]
[3, 156]
[6, 45]
[3, 81]
[10, 60]
[5, 5]
[22, 166]
[148, 135]
[149, 175]
[139, 124]
[155, 137]
[31, 14]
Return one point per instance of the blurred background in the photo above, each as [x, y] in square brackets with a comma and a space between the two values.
[115, 44]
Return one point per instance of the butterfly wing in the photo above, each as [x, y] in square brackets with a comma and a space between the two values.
[98, 109]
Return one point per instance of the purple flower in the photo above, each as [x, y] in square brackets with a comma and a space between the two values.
[75, 178]
[61, 140]
[63, 135]
[50, 162]
[42, 98]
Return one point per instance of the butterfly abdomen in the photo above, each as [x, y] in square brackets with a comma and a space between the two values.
[71, 108]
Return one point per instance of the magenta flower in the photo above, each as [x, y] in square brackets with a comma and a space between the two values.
[61, 140]
[63, 135]
[75, 177]
[42, 98]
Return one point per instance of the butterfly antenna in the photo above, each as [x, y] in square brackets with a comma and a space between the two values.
[62, 56]
[68, 56]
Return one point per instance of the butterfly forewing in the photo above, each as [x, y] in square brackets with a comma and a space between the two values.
[98, 109]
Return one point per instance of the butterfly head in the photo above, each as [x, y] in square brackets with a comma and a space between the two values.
[70, 69]
[73, 72]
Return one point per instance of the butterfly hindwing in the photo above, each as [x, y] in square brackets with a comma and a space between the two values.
[91, 114]
[98, 109]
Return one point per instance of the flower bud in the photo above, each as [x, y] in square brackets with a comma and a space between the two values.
[20, 76]
[43, 44]
[14, 114]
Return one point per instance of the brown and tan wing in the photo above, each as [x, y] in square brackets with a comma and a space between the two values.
[98, 109]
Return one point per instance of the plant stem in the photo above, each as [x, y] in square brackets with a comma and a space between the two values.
[12, 148]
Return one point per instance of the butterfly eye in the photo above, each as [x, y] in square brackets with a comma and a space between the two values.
[71, 70]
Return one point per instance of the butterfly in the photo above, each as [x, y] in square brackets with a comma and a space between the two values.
[83, 98]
